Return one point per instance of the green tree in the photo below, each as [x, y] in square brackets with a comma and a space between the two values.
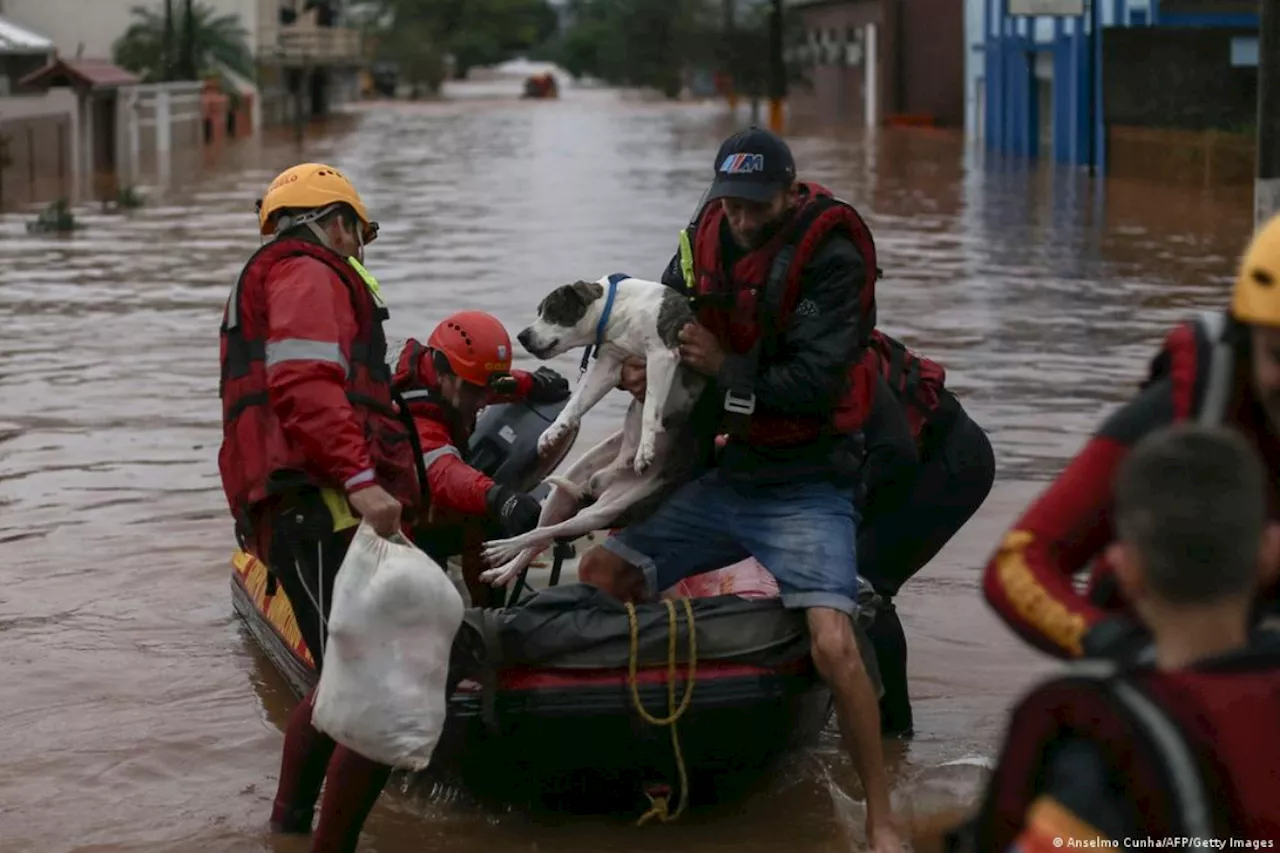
[647, 43]
[651, 43]
[473, 32]
[216, 40]
[418, 57]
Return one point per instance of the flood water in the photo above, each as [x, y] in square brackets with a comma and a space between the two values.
[135, 713]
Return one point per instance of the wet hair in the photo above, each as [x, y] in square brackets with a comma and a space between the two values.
[1192, 501]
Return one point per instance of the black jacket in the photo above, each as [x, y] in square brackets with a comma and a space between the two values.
[804, 370]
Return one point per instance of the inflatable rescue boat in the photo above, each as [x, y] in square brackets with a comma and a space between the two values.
[570, 699]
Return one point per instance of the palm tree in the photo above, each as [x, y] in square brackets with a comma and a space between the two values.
[147, 48]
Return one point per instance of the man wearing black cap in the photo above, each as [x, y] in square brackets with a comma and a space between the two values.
[782, 276]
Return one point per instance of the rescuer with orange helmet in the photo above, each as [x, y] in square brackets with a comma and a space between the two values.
[1220, 368]
[312, 442]
[464, 366]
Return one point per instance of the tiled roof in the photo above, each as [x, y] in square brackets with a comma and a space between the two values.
[83, 73]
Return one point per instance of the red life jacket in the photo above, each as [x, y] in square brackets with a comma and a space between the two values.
[916, 381]
[765, 285]
[1196, 746]
[1201, 365]
[1199, 359]
[256, 460]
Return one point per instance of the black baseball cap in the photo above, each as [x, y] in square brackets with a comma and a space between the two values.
[753, 164]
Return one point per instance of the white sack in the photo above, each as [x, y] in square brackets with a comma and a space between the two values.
[391, 628]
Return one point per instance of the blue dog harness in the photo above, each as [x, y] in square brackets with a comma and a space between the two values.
[593, 351]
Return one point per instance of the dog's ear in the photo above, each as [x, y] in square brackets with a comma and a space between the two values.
[568, 304]
[587, 291]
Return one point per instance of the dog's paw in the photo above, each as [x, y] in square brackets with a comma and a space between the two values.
[644, 456]
[503, 575]
[498, 552]
[552, 436]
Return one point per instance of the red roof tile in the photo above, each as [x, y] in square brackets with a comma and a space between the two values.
[81, 73]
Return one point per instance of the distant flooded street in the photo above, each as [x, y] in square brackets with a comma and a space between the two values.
[138, 715]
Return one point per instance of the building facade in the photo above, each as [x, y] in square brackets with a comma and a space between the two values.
[1081, 80]
[38, 131]
[872, 62]
[309, 59]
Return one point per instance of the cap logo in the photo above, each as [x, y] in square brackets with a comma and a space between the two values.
[741, 164]
[502, 351]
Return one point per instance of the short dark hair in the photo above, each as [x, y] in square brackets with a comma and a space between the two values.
[1192, 500]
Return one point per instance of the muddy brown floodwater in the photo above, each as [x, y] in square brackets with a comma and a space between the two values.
[135, 714]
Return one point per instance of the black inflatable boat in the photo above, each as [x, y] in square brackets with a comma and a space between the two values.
[545, 711]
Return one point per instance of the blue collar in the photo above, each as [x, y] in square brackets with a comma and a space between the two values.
[594, 350]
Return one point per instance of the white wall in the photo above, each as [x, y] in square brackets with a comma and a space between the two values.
[70, 23]
[53, 102]
[98, 23]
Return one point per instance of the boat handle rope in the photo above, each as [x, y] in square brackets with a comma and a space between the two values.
[659, 803]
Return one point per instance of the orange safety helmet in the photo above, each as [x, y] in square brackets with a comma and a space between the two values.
[312, 186]
[477, 347]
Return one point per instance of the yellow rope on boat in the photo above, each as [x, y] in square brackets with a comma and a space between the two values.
[660, 805]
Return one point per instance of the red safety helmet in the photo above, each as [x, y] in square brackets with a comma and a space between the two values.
[477, 347]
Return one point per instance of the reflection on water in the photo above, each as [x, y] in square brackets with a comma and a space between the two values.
[138, 715]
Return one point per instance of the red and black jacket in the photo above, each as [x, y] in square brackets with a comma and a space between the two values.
[451, 484]
[1191, 753]
[1029, 580]
[795, 316]
[305, 388]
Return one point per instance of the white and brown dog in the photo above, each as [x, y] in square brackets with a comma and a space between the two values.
[620, 318]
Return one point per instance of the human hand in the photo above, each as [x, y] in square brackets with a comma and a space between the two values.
[377, 507]
[548, 386]
[700, 349]
[517, 512]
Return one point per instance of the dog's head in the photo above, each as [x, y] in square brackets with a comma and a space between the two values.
[567, 318]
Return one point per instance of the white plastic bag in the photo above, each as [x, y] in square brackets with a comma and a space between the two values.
[386, 661]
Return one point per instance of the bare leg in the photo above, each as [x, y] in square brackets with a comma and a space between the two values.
[836, 657]
[612, 575]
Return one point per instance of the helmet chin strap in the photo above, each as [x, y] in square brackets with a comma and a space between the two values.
[321, 235]
[310, 220]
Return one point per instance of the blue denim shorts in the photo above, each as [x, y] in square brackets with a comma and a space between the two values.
[803, 533]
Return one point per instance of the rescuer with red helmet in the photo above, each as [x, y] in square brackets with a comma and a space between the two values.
[465, 366]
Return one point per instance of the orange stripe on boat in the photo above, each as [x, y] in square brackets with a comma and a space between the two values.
[252, 573]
